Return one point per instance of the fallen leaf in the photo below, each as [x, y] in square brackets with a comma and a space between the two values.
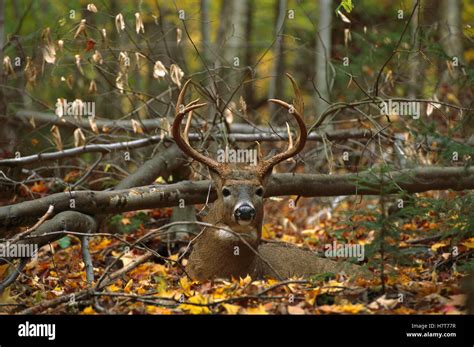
[231, 309]
[196, 309]
[295, 310]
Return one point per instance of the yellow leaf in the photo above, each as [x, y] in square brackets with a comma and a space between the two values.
[196, 309]
[6, 297]
[245, 281]
[157, 310]
[160, 180]
[256, 310]
[185, 284]
[125, 221]
[469, 243]
[128, 286]
[231, 309]
[141, 291]
[114, 288]
[89, 310]
[435, 246]
[266, 231]
[453, 98]
[348, 308]
[288, 238]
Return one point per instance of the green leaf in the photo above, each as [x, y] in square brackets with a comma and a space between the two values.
[347, 5]
[65, 242]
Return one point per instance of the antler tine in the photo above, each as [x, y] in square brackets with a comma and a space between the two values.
[297, 110]
[183, 144]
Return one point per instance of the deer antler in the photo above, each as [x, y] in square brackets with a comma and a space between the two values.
[181, 111]
[297, 110]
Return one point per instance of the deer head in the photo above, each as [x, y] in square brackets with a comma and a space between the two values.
[240, 187]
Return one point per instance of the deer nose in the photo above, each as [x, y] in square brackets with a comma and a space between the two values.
[244, 212]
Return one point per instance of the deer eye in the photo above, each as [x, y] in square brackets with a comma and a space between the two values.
[259, 191]
[225, 192]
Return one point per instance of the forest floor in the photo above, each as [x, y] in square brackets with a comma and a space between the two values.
[424, 264]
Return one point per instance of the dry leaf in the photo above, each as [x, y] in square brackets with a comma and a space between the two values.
[57, 137]
[231, 309]
[429, 109]
[92, 87]
[48, 49]
[30, 71]
[435, 246]
[97, 58]
[138, 55]
[139, 23]
[60, 107]
[128, 286]
[176, 74]
[229, 112]
[79, 138]
[260, 309]
[469, 243]
[78, 63]
[119, 23]
[383, 302]
[195, 309]
[179, 35]
[137, 127]
[103, 33]
[243, 105]
[93, 124]
[89, 310]
[347, 36]
[121, 81]
[295, 310]
[91, 8]
[81, 29]
[159, 70]
[124, 61]
[343, 17]
[7, 66]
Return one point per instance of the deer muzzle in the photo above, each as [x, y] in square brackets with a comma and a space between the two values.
[244, 213]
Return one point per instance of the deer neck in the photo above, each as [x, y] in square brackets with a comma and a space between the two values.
[218, 253]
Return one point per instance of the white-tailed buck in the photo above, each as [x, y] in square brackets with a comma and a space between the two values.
[234, 246]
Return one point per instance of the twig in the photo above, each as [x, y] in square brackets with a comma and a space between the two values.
[48, 213]
[86, 256]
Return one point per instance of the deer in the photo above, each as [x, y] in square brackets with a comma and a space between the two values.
[233, 246]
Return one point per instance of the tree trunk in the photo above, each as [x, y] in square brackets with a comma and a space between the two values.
[323, 54]
[205, 32]
[276, 76]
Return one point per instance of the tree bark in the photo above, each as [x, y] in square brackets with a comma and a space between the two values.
[276, 76]
[323, 54]
[205, 32]
[307, 185]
